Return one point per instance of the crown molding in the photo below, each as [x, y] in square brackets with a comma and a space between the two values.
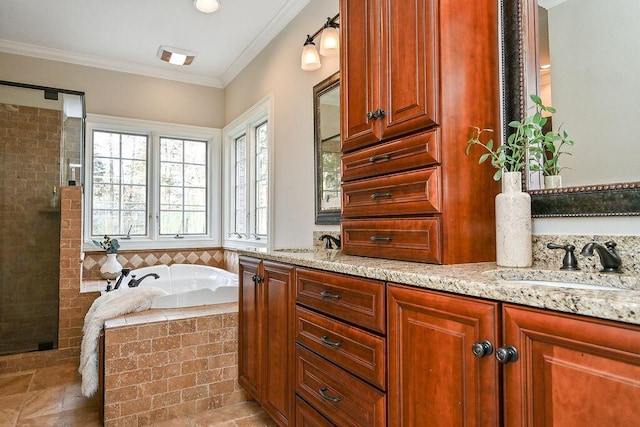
[104, 63]
[548, 4]
[286, 14]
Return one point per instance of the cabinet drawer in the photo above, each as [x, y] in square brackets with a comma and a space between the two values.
[307, 416]
[416, 239]
[412, 152]
[359, 352]
[408, 193]
[354, 300]
[344, 399]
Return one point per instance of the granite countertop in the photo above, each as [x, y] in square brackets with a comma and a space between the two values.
[484, 280]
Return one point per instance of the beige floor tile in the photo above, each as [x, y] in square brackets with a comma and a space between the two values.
[76, 418]
[10, 408]
[43, 402]
[226, 414]
[55, 376]
[259, 420]
[176, 422]
[15, 383]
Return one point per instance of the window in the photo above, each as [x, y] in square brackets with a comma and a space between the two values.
[248, 169]
[152, 185]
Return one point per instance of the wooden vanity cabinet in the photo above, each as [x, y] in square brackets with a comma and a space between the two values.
[266, 340]
[415, 76]
[572, 371]
[340, 329]
[434, 378]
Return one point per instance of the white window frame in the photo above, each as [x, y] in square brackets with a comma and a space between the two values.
[155, 130]
[246, 123]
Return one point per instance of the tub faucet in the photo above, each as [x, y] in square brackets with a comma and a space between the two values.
[609, 258]
[329, 238]
[124, 273]
[134, 283]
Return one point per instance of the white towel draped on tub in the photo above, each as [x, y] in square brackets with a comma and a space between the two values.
[110, 305]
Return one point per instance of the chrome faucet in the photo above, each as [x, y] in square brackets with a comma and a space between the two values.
[329, 238]
[134, 283]
[609, 258]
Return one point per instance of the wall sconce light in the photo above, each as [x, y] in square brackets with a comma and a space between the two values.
[206, 6]
[175, 55]
[329, 45]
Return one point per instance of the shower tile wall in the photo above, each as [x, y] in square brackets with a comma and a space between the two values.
[29, 249]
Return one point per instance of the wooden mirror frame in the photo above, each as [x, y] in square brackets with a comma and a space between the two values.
[518, 38]
[326, 216]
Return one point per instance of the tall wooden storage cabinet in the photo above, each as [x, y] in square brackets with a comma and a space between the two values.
[415, 76]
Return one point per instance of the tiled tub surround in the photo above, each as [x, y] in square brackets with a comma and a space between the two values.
[165, 364]
[484, 280]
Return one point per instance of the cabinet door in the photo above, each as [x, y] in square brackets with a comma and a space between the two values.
[278, 347]
[250, 332]
[571, 371]
[359, 79]
[434, 378]
[409, 68]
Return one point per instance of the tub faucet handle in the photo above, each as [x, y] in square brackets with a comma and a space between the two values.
[569, 262]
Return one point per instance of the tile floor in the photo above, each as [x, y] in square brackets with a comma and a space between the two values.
[51, 397]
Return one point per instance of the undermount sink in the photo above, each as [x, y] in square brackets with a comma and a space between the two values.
[572, 285]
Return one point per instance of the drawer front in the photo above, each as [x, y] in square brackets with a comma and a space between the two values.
[342, 398]
[416, 239]
[412, 152]
[307, 416]
[408, 193]
[360, 353]
[351, 299]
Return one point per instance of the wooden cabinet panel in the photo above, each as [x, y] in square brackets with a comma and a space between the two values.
[250, 332]
[411, 152]
[278, 350]
[408, 193]
[341, 397]
[359, 76]
[433, 374]
[306, 416]
[409, 67]
[412, 239]
[352, 299]
[358, 352]
[571, 372]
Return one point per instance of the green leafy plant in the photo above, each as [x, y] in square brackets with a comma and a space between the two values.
[108, 244]
[544, 148]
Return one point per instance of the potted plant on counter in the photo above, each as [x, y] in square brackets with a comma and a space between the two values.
[111, 267]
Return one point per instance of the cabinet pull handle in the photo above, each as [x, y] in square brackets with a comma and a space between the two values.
[482, 349]
[325, 339]
[374, 115]
[379, 157]
[380, 239]
[381, 195]
[325, 294]
[323, 393]
[257, 279]
[507, 354]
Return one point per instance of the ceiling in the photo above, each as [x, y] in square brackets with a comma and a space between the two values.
[124, 35]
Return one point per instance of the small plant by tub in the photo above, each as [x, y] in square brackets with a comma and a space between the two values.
[111, 267]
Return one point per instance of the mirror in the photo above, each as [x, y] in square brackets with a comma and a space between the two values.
[326, 113]
[591, 82]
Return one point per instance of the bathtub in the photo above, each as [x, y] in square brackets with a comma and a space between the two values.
[188, 285]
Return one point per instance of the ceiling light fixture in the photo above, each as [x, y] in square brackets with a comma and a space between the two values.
[329, 45]
[206, 6]
[175, 55]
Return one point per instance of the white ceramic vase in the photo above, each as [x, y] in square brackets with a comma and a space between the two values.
[553, 181]
[513, 223]
[111, 268]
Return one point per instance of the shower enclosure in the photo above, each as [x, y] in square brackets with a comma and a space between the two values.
[41, 142]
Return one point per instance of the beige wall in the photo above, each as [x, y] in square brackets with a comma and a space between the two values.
[121, 94]
[277, 71]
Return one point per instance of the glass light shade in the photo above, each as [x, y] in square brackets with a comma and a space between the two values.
[329, 42]
[310, 59]
[206, 6]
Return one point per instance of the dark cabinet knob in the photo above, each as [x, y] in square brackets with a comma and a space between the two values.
[507, 354]
[374, 115]
[257, 279]
[482, 349]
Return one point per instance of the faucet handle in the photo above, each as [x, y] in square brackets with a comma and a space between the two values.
[569, 262]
